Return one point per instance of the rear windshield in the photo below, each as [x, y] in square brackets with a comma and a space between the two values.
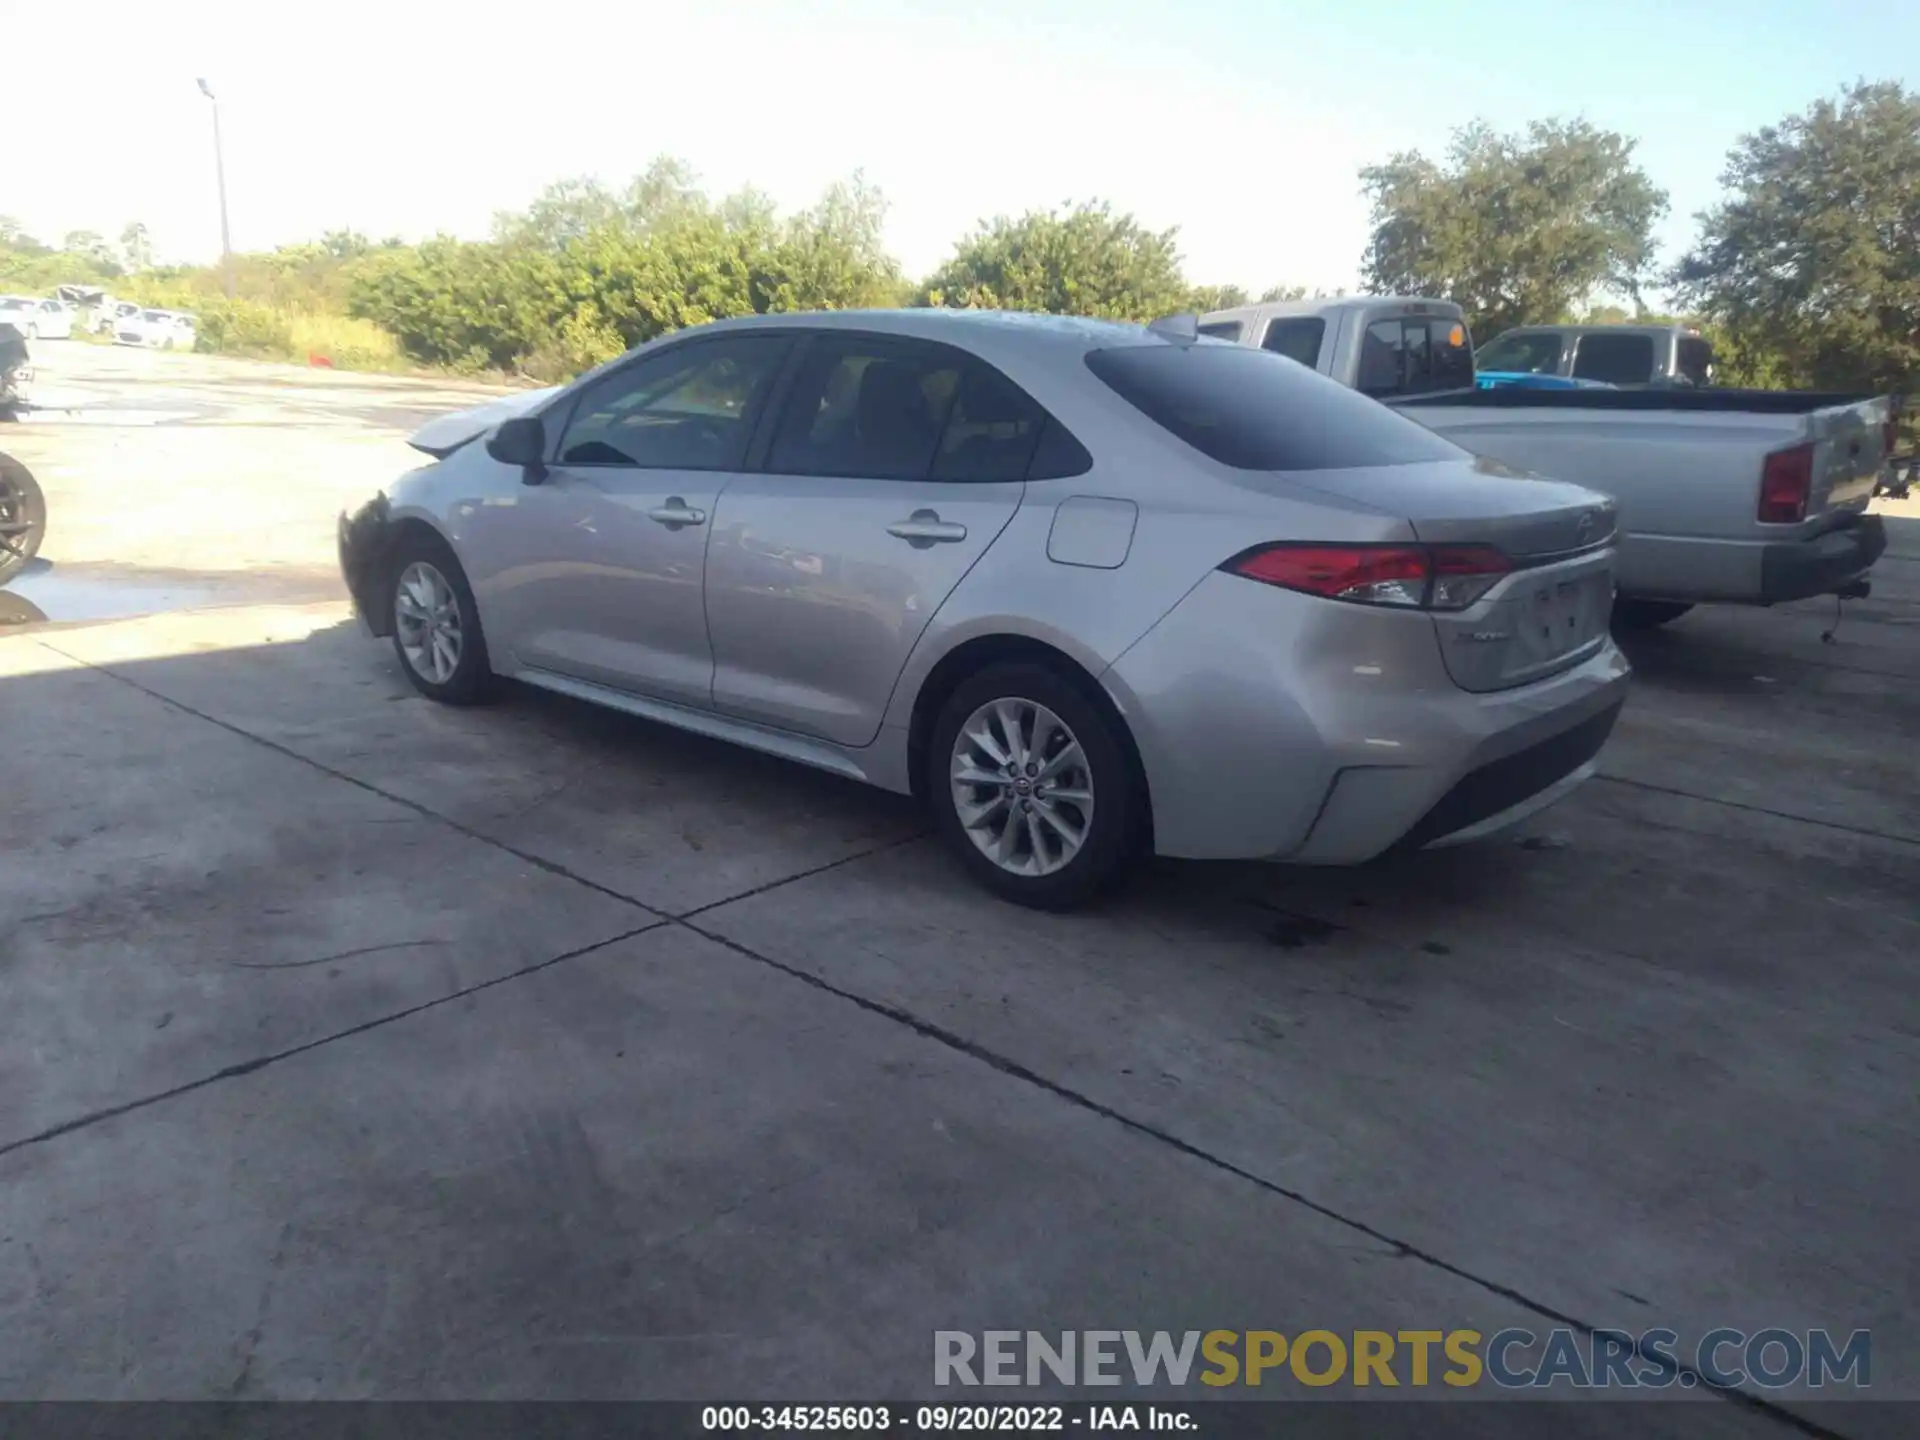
[1255, 410]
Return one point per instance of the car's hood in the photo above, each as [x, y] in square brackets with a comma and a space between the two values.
[444, 434]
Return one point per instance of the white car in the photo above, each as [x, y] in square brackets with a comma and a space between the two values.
[155, 329]
[37, 319]
[110, 313]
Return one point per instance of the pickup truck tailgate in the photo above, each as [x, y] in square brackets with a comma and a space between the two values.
[1850, 448]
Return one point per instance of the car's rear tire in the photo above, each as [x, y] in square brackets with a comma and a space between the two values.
[23, 517]
[1646, 614]
[436, 625]
[1032, 786]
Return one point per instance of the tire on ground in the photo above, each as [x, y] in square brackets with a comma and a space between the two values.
[1116, 833]
[472, 681]
[23, 514]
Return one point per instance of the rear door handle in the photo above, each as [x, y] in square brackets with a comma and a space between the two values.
[925, 527]
[677, 512]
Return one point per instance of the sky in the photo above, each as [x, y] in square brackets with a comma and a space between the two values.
[1243, 123]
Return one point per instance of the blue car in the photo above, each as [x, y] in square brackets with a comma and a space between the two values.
[1526, 380]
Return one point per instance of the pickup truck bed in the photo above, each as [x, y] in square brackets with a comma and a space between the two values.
[1743, 496]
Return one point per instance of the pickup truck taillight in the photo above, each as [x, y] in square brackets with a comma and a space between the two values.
[1785, 482]
[1416, 577]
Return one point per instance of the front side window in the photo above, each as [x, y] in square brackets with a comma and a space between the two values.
[869, 408]
[690, 407]
[1255, 410]
[1297, 339]
[1222, 329]
[1535, 352]
[1614, 359]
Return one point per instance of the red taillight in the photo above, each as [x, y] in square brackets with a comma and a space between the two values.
[1785, 482]
[1443, 577]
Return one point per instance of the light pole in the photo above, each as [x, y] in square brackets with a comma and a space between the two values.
[220, 172]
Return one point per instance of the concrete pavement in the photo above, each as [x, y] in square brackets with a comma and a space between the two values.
[358, 1047]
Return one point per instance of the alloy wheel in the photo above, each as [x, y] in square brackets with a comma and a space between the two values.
[426, 615]
[1021, 787]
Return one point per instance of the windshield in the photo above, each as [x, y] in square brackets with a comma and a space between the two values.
[13, 302]
[153, 315]
[1536, 352]
[1257, 410]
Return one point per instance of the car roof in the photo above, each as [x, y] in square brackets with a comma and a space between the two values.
[1330, 305]
[1599, 330]
[989, 333]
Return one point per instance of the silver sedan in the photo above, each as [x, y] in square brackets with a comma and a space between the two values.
[1091, 591]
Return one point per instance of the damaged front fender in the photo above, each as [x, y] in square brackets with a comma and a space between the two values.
[366, 539]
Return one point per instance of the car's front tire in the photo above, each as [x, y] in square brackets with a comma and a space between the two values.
[23, 517]
[436, 625]
[1032, 787]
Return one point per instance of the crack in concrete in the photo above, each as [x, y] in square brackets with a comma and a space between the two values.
[260, 1062]
[1865, 832]
[328, 959]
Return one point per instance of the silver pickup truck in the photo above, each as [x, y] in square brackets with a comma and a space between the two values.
[1751, 497]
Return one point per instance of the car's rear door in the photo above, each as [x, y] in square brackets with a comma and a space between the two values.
[890, 467]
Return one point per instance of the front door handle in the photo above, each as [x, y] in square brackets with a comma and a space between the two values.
[925, 527]
[676, 512]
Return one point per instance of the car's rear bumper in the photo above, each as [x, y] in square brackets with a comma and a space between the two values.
[363, 540]
[1801, 569]
[1337, 739]
[1693, 569]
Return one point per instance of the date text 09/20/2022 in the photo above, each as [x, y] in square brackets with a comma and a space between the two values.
[943, 1419]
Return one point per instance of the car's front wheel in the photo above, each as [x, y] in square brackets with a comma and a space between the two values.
[1032, 788]
[23, 517]
[436, 625]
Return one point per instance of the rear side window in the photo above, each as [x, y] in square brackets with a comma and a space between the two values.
[1296, 339]
[1414, 356]
[1255, 410]
[866, 408]
[1614, 359]
[992, 430]
[1222, 330]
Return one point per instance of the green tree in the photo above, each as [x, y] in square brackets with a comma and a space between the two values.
[1204, 299]
[91, 250]
[14, 237]
[1515, 229]
[1084, 260]
[1810, 267]
[136, 247]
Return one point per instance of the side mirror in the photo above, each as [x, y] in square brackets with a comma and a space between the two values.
[521, 441]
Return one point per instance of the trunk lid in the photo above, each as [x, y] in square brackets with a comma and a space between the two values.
[1546, 616]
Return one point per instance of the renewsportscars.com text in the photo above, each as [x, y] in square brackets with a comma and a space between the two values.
[1508, 1359]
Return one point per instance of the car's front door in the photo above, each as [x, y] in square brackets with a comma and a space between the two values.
[891, 467]
[596, 570]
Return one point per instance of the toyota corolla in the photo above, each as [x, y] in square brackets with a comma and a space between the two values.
[1091, 591]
